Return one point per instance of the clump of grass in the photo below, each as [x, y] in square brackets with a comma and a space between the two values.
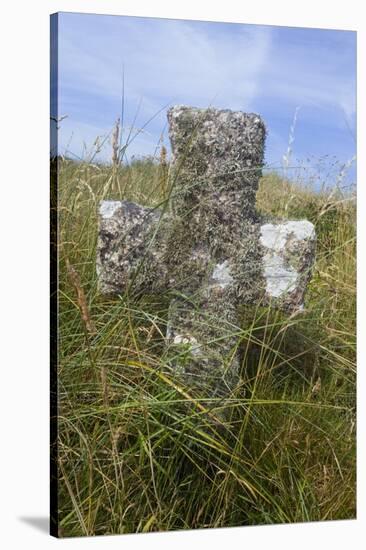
[137, 449]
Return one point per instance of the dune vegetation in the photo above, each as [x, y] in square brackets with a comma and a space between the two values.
[137, 451]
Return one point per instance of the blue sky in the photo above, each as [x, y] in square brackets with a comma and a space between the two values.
[268, 70]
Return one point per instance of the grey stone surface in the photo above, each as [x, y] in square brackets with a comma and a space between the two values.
[129, 248]
[212, 249]
[289, 251]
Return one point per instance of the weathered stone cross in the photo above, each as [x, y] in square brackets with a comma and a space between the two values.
[209, 247]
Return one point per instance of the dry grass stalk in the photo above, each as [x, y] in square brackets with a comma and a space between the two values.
[81, 298]
[288, 155]
[104, 381]
[163, 169]
[115, 143]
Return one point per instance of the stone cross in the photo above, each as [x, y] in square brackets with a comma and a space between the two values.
[207, 246]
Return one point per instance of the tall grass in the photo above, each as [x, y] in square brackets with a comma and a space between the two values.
[138, 451]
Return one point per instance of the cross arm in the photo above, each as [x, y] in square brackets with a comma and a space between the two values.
[271, 265]
[129, 248]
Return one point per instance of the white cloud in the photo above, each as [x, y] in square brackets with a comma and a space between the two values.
[168, 59]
